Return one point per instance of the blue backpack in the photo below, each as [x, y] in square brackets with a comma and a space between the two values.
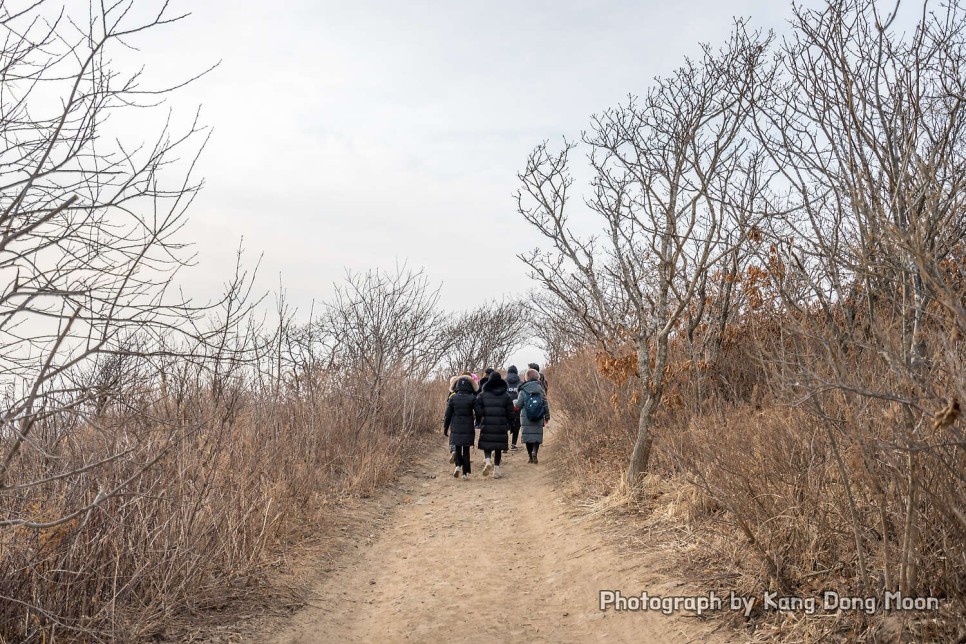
[534, 407]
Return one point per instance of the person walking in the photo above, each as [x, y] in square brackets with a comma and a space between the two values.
[452, 390]
[543, 378]
[474, 377]
[494, 411]
[486, 376]
[482, 383]
[513, 383]
[534, 412]
[460, 420]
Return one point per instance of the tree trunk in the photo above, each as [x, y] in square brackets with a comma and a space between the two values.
[642, 447]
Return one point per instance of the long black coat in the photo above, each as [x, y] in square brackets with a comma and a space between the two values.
[494, 409]
[460, 418]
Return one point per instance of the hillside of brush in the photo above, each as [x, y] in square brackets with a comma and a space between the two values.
[800, 461]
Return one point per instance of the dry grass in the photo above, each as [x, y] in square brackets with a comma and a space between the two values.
[206, 526]
[750, 487]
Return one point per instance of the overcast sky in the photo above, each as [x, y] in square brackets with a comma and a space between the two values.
[358, 134]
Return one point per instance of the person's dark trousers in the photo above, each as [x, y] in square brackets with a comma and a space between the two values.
[463, 458]
[532, 449]
[515, 433]
[495, 454]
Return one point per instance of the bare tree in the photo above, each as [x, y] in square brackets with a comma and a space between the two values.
[88, 226]
[664, 170]
[556, 327]
[387, 323]
[485, 336]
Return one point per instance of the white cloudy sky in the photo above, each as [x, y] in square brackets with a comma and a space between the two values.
[358, 134]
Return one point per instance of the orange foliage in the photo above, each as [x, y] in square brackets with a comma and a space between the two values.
[617, 369]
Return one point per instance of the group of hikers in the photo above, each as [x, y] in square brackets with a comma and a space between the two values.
[500, 408]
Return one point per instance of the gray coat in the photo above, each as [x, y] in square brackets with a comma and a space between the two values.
[532, 429]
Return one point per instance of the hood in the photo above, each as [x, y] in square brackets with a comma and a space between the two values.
[532, 386]
[512, 369]
[495, 384]
[512, 379]
[465, 385]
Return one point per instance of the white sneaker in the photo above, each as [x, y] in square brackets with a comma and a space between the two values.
[487, 468]
[456, 472]
[497, 474]
[464, 477]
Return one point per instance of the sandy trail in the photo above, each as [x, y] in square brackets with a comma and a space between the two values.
[482, 560]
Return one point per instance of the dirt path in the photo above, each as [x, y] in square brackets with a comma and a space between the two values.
[483, 560]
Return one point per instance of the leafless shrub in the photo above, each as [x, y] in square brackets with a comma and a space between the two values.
[388, 322]
[262, 458]
[874, 128]
[556, 327]
[485, 336]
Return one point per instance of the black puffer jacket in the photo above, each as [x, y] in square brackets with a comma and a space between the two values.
[494, 409]
[513, 384]
[460, 417]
